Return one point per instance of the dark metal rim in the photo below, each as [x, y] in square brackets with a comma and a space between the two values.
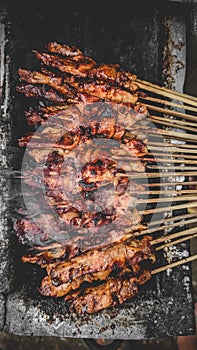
[94, 345]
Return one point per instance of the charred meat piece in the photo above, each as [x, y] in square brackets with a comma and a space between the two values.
[73, 273]
[41, 91]
[103, 91]
[104, 72]
[115, 291]
[52, 255]
[42, 229]
[107, 91]
[26, 231]
[66, 65]
[85, 67]
[63, 49]
[136, 146]
[99, 170]
[50, 80]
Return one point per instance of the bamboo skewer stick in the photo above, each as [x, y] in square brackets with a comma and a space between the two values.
[173, 121]
[181, 240]
[173, 134]
[174, 264]
[158, 160]
[174, 95]
[160, 175]
[169, 167]
[172, 156]
[174, 218]
[174, 184]
[173, 125]
[168, 103]
[157, 152]
[171, 112]
[174, 235]
[169, 208]
[156, 229]
[160, 132]
[167, 192]
[167, 199]
[168, 144]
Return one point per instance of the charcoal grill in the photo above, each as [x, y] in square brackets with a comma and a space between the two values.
[146, 37]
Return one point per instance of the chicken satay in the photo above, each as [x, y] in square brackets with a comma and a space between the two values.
[63, 49]
[48, 287]
[106, 91]
[115, 291]
[66, 65]
[52, 255]
[110, 72]
[135, 146]
[86, 68]
[42, 91]
[56, 82]
[69, 289]
[98, 260]
[103, 90]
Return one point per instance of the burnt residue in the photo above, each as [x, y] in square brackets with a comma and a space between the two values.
[173, 43]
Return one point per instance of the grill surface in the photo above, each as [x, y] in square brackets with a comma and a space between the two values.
[135, 34]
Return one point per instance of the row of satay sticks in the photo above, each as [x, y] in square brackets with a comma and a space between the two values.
[178, 159]
[71, 61]
[60, 283]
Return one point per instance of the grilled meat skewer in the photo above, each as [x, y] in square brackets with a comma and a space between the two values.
[73, 90]
[50, 94]
[83, 67]
[41, 91]
[93, 251]
[115, 291]
[89, 108]
[117, 256]
[51, 287]
[64, 50]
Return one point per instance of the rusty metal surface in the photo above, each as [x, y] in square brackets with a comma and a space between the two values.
[136, 39]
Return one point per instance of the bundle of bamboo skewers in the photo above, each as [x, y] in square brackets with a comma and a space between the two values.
[70, 79]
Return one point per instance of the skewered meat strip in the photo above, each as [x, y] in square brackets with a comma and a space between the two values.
[77, 127]
[41, 91]
[81, 68]
[42, 229]
[89, 108]
[50, 94]
[103, 91]
[51, 287]
[57, 252]
[41, 78]
[106, 91]
[126, 110]
[106, 72]
[113, 257]
[126, 273]
[26, 230]
[51, 256]
[63, 50]
[66, 65]
[45, 228]
[111, 293]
